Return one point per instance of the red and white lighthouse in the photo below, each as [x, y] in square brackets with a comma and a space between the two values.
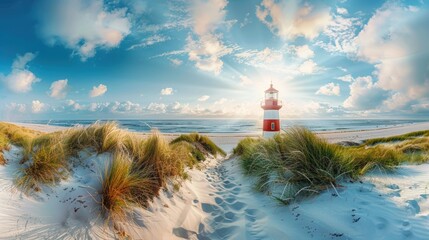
[271, 107]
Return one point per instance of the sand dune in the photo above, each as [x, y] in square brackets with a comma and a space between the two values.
[220, 203]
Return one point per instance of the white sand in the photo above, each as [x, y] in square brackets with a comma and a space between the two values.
[219, 203]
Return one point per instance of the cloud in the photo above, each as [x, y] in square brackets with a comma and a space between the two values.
[395, 40]
[293, 18]
[37, 106]
[341, 35]
[83, 26]
[203, 98]
[308, 67]
[157, 107]
[150, 41]
[176, 62]
[304, 52]
[59, 89]
[19, 107]
[365, 95]
[20, 79]
[98, 91]
[342, 11]
[207, 49]
[206, 52]
[220, 101]
[329, 89]
[346, 78]
[167, 91]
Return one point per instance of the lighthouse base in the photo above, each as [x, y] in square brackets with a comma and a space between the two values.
[269, 134]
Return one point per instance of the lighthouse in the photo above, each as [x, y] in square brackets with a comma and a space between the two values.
[271, 106]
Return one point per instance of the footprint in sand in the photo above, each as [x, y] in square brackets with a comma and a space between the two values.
[209, 208]
[381, 223]
[253, 214]
[413, 206]
[406, 228]
[237, 206]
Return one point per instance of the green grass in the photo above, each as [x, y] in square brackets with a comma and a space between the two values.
[4, 145]
[202, 145]
[297, 163]
[397, 138]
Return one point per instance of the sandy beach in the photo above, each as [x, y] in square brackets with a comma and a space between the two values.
[219, 202]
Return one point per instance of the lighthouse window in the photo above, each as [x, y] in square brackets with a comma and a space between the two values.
[273, 126]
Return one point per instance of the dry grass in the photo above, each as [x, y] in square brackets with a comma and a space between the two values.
[123, 187]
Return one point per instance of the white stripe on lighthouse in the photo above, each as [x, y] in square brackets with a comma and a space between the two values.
[271, 114]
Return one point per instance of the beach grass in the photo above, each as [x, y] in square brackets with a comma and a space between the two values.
[203, 145]
[124, 186]
[297, 163]
[397, 138]
[138, 170]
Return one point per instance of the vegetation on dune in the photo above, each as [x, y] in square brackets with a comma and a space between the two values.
[202, 145]
[297, 163]
[139, 167]
[4, 145]
[124, 186]
[397, 138]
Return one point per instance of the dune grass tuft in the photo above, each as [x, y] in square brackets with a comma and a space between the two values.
[48, 164]
[202, 145]
[297, 163]
[123, 187]
[4, 145]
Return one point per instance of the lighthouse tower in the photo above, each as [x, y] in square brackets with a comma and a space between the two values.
[271, 106]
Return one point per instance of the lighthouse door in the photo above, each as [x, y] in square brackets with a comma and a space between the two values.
[273, 126]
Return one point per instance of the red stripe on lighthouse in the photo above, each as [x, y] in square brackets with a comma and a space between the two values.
[271, 125]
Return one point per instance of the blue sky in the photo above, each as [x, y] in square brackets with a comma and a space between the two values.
[94, 59]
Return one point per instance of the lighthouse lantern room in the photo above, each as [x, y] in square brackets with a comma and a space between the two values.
[271, 106]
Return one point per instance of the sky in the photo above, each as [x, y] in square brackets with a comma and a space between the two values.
[129, 59]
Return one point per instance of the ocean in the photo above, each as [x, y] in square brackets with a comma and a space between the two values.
[242, 126]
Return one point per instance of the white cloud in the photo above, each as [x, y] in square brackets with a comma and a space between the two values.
[293, 18]
[342, 11]
[20, 79]
[98, 91]
[221, 101]
[203, 98]
[157, 107]
[341, 34]
[346, 78]
[20, 107]
[329, 89]
[167, 91]
[308, 67]
[364, 95]
[176, 62]
[395, 40]
[59, 89]
[37, 106]
[83, 26]
[207, 50]
[304, 52]
[157, 38]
